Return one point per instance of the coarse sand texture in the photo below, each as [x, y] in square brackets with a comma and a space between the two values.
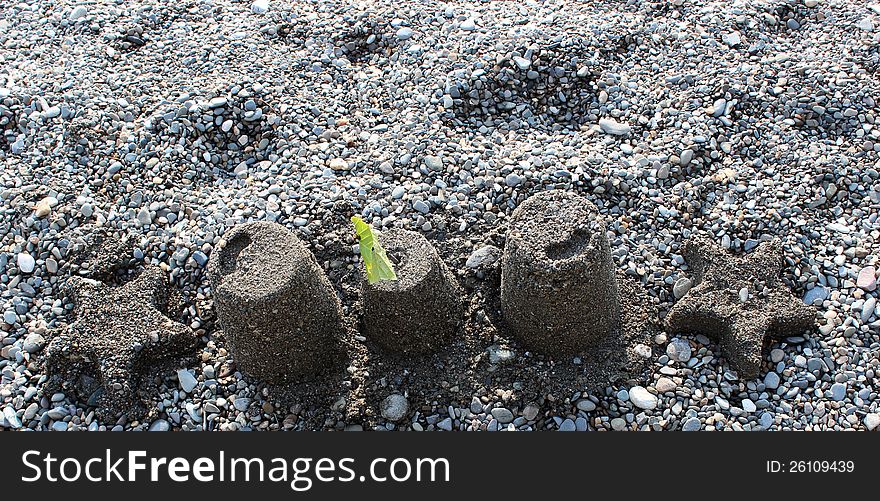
[558, 284]
[275, 304]
[420, 310]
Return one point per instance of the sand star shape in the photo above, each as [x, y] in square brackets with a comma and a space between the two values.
[120, 337]
[739, 300]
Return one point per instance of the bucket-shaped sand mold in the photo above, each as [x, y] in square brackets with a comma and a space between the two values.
[275, 304]
[422, 309]
[558, 285]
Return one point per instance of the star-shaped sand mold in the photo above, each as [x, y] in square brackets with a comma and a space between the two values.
[739, 300]
[121, 338]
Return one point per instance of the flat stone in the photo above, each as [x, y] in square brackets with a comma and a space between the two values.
[691, 424]
[816, 295]
[25, 262]
[776, 355]
[186, 379]
[664, 384]
[78, 12]
[613, 127]
[679, 350]
[483, 257]
[33, 343]
[838, 391]
[867, 278]
[160, 425]
[872, 421]
[771, 381]
[731, 39]
[681, 287]
[567, 425]
[586, 405]
[642, 398]
[502, 414]
[531, 412]
[434, 163]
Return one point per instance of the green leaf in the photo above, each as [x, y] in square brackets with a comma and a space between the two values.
[377, 263]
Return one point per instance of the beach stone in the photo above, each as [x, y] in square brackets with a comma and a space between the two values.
[586, 405]
[33, 343]
[872, 421]
[679, 350]
[838, 391]
[422, 309]
[681, 287]
[558, 284]
[78, 12]
[691, 424]
[867, 278]
[485, 256]
[642, 398]
[394, 407]
[715, 305]
[567, 425]
[502, 414]
[817, 294]
[186, 379]
[123, 336]
[26, 262]
[160, 425]
[275, 304]
[664, 384]
[613, 127]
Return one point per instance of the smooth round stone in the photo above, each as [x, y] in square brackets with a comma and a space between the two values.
[586, 405]
[776, 355]
[613, 127]
[160, 425]
[394, 407]
[642, 398]
[681, 287]
[868, 309]
[816, 294]
[679, 350]
[484, 256]
[260, 6]
[771, 381]
[26, 262]
[404, 33]
[691, 424]
[503, 415]
[567, 425]
[33, 343]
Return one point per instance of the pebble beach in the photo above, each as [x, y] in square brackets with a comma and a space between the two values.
[171, 122]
